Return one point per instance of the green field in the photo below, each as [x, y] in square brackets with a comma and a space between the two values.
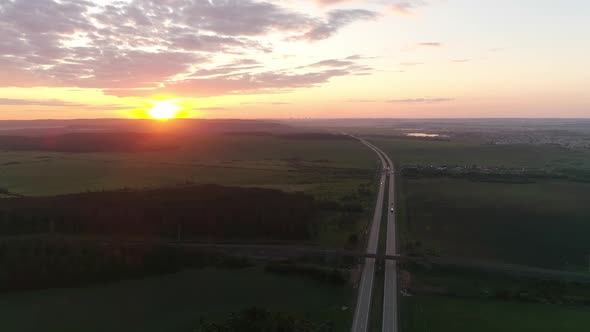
[429, 313]
[474, 283]
[311, 165]
[173, 302]
[543, 224]
[408, 151]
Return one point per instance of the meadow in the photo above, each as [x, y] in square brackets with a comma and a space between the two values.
[311, 165]
[435, 313]
[508, 285]
[542, 224]
[175, 302]
[432, 152]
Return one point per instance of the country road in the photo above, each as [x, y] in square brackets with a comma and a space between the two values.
[365, 294]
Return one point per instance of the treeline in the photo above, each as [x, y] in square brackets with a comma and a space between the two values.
[205, 211]
[89, 142]
[27, 264]
[542, 291]
[318, 273]
[293, 136]
[260, 320]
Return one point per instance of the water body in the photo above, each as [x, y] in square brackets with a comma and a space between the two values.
[422, 135]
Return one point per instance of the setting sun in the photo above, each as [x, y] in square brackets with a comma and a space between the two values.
[164, 110]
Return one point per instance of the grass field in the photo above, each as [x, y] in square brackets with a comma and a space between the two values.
[292, 164]
[173, 302]
[542, 224]
[489, 285]
[408, 151]
[428, 313]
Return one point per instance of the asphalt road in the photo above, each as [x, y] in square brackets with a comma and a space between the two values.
[363, 304]
[362, 312]
[390, 290]
[390, 309]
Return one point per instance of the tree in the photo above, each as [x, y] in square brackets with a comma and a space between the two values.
[260, 320]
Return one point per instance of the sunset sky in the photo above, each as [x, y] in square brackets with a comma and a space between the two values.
[295, 58]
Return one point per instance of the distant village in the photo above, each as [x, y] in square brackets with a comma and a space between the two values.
[537, 138]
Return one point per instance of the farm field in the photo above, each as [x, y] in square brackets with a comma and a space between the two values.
[173, 302]
[512, 223]
[425, 152]
[289, 164]
[429, 313]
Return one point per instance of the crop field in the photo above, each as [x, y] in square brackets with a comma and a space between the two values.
[437, 313]
[291, 164]
[409, 151]
[174, 302]
[468, 299]
[541, 224]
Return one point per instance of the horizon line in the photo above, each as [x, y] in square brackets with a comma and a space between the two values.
[303, 118]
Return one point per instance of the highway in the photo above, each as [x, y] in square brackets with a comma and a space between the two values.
[363, 304]
[390, 311]
[364, 298]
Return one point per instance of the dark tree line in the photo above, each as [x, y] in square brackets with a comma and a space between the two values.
[293, 136]
[36, 264]
[321, 274]
[192, 211]
[259, 320]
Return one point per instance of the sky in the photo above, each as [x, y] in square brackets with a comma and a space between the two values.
[295, 58]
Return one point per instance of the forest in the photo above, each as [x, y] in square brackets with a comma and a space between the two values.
[182, 212]
[37, 263]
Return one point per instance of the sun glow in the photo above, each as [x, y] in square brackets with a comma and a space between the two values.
[165, 110]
